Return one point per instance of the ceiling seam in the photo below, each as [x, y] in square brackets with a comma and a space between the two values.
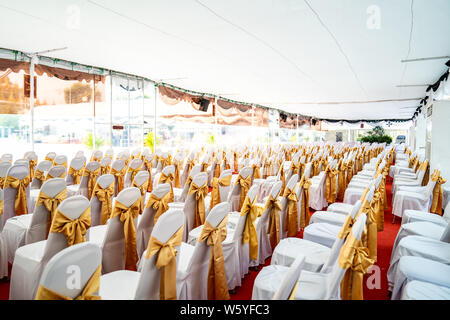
[339, 46]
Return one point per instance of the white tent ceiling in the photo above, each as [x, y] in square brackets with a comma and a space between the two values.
[311, 57]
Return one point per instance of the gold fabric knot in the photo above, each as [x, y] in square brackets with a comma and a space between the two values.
[165, 260]
[304, 206]
[51, 204]
[160, 205]
[215, 192]
[32, 163]
[73, 230]
[39, 175]
[217, 280]
[104, 196]
[256, 171]
[134, 172]
[274, 205]
[148, 166]
[200, 193]
[88, 293]
[20, 203]
[76, 174]
[92, 179]
[251, 211]
[119, 175]
[438, 195]
[245, 186]
[127, 216]
[292, 211]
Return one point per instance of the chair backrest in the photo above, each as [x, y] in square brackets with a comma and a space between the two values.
[149, 281]
[7, 157]
[141, 177]
[113, 248]
[25, 162]
[106, 161]
[292, 182]
[97, 155]
[60, 160]
[77, 163]
[307, 172]
[189, 206]
[57, 172]
[146, 223]
[81, 260]
[224, 191]
[337, 245]
[79, 154]
[194, 171]
[290, 279]
[104, 181]
[18, 171]
[4, 166]
[72, 208]
[236, 189]
[337, 273]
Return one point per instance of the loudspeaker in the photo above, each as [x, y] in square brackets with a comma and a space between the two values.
[313, 122]
[204, 104]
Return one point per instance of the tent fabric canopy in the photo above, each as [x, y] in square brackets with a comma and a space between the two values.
[330, 59]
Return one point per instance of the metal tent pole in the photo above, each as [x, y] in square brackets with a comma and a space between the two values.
[33, 60]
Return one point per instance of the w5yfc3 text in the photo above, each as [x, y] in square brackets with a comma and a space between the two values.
[226, 309]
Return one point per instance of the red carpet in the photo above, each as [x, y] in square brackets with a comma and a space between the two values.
[386, 239]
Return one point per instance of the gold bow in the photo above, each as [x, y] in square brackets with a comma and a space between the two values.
[73, 230]
[256, 171]
[341, 180]
[88, 293]
[119, 176]
[177, 174]
[251, 211]
[355, 259]
[134, 172]
[215, 192]
[38, 174]
[165, 260]
[92, 179]
[436, 204]
[20, 203]
[127, 216]
[148, 166]
[200, 194]
[304, 206]
[104, 169]
[76, 174]
[292, 211]
[160, 205]
[163, 178]
[143, 189]
[32, 164]
[104, 196]
[49, 159]
[245, 186]
[330, 184]
[274, 220]
[51, 204]
[217, 280]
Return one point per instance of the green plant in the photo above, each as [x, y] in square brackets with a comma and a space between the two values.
[377, 134]
[88, 141]
[210, 139]
[150, 141]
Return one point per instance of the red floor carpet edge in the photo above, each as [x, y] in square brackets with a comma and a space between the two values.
[386, 239]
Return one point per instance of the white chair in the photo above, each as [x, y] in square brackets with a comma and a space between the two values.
[318, 258]
[50, 156]
[235, 193]
[326, 233]
[134, 166]
[291, 187]
[146, 220]
[42, 167]
[29, 228]
[4, 166]
[312, 285]
[82, 259]
[60, 160]
[180, 194]
[144, 285]
[6, 157]
[97, 155]
[224, 191]
[92, 168]
[77, 164]
[10, 194]
[118, 170]
[30, 259]
[412, 268]
[103, 182]
[317, 199]
[264, 289]
[416, 215]
[3, 251]
[192, 270]
[421, 290]
[111, 237]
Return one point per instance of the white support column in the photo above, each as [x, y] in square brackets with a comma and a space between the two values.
[154, 132]
[143, 113]
[34, 59]
[296, 132]
[216, 128]
[110, 109]
[94, 146]
[129, 113]
[440, 135]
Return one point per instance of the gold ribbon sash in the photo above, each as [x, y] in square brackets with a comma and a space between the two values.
[76, 174]
[215, 192]
[245, 186]
[163, 178]
[217, 280]
[148, 166]
[88, 293]
[127, 216]
[177, 174]
[355, 259]
[134, 172]
[38, 174]
[200, 194]
[251, 211]
[304, 206]
[292, 211]
[92, 179]
[51, 204]
[330, 184]
[32, 165]
[73, 230]
[160, 205]
[274, 220]
[143, 189]
[256, 171]
[436, 204]
[104, 196]
[165, 260]
[120, 178]
[20, 203]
